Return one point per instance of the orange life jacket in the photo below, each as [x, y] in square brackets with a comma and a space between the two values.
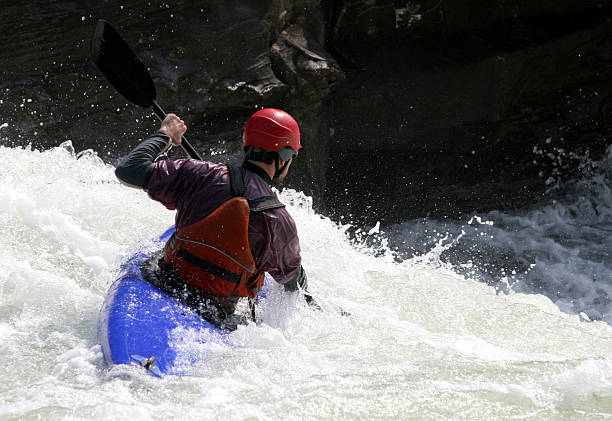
[213, 254]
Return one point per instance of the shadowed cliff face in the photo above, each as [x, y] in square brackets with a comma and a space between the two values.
[467, 106]
[406, 109]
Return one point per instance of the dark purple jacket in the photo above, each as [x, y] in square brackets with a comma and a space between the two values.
[196, 188]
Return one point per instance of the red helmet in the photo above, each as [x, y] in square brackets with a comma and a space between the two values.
[272, 130]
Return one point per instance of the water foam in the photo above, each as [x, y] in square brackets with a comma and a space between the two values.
[422, 342]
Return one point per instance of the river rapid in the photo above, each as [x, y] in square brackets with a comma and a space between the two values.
[498, 317]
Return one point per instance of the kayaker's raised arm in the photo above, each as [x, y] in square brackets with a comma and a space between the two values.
[135, 169]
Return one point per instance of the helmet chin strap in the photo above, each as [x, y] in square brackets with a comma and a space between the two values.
[278, 171]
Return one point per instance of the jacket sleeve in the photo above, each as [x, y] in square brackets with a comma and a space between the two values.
[135, 169]
[299, 281]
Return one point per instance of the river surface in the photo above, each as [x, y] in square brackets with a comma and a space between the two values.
[498, 317]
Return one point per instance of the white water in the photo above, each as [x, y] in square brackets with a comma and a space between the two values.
[421, 343]
[561, 247]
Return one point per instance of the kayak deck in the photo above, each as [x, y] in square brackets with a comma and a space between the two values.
[142, 325]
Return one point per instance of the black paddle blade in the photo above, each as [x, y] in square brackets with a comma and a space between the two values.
[123, 69]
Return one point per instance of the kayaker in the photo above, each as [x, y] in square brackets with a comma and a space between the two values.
[223, 244]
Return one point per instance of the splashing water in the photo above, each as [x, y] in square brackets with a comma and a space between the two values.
[559, 248]
[422, 341]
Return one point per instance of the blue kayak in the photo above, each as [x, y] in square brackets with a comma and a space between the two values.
[142, 325]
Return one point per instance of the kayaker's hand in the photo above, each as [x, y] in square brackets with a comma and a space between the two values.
[174, 127]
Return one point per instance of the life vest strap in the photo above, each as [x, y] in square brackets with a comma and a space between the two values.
[236, 181]
[218, 250]
[208, 267]
[265, 203]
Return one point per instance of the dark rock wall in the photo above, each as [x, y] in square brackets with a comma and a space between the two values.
[452, 107]
[406, 109]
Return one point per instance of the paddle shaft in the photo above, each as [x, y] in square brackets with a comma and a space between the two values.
[126, 72]
[159, 112]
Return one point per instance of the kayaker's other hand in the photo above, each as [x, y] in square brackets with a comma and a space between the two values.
[174, 127]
